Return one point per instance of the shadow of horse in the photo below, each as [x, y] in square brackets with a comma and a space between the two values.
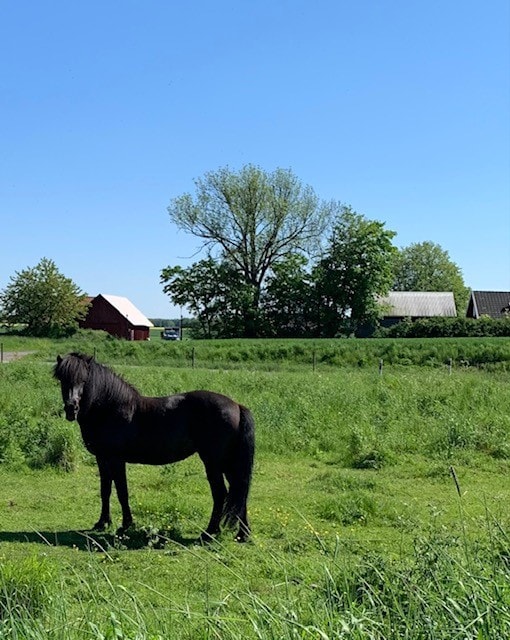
[88, 540]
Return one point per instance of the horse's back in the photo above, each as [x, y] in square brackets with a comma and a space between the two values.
[212, 413]
[174, 427]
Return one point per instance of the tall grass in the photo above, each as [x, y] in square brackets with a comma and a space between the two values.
[442, 590]
[31, 428]
[357, 417]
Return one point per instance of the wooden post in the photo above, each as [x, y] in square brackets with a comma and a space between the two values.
[1, 352]
[314, 357]
[380, 366]
[450, 363]
[456, 480]
[193, 358]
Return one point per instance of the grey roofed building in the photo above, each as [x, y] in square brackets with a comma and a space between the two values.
[417, 304]
[495, 304]
[413, 305]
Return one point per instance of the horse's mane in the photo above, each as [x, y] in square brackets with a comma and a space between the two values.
[102, 383]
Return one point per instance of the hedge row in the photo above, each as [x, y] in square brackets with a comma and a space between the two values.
[447, 328]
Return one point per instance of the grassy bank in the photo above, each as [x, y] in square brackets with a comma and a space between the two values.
[487, 353]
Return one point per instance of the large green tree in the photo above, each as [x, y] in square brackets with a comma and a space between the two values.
[357, 268]
[44, 300]
[253, 219]
[213, 292]
[425, 266]
[288, 308]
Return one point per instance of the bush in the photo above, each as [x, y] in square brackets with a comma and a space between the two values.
[447, 328]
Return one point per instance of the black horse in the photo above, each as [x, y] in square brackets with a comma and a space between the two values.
[119, 425]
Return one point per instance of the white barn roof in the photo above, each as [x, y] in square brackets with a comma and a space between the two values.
[421, 304]
[128, 310]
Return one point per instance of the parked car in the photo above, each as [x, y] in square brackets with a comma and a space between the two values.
[170, 334]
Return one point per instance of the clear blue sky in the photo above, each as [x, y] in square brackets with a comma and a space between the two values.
[109, 110]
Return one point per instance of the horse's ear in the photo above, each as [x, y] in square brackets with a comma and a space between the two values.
[59, 359]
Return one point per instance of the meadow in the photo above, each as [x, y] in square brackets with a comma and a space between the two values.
[379, 502]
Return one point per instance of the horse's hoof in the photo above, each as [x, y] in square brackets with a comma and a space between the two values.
[243, 533]
[124, 529]
[242, 537]
[206, 538]
[101, 525]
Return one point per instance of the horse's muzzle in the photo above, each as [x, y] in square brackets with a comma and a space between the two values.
[71, 412]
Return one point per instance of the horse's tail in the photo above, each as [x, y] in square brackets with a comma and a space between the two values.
[239, 475]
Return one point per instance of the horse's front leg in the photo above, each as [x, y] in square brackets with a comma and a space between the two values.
[105, 476]
[118, 471]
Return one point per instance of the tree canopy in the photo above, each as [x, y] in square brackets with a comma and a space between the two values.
[289, 300]
[281, 262]
[253, 219]
[266, 279]
[213, 292]
[425, 266]
[357, 268]
[44, 300]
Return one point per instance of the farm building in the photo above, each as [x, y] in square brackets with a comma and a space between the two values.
[118, 316]
[411, 305]
[494, 304]
[398, 305]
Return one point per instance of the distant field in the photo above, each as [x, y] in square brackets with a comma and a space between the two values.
[379, 509]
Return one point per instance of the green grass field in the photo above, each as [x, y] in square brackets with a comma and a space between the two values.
[379, 510]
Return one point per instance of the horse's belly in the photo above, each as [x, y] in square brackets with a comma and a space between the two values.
[148, 441]
[160, 449]
[157, 457]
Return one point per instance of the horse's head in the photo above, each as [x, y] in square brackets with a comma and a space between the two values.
[72, 372]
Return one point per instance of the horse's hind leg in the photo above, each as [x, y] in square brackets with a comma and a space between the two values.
[219, 493]
[242, 516]
[244, 527]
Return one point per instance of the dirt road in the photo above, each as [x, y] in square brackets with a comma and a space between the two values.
[9, 356]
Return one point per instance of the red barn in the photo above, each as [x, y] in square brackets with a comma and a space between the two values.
[118, 316]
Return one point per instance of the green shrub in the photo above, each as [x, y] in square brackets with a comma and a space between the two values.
[367, 452]
[447, 328]
[60, 450]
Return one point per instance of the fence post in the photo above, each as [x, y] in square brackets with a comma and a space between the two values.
[1, 353]
[193, 358]
[380, 366]
[314, 357]
[450, 363]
